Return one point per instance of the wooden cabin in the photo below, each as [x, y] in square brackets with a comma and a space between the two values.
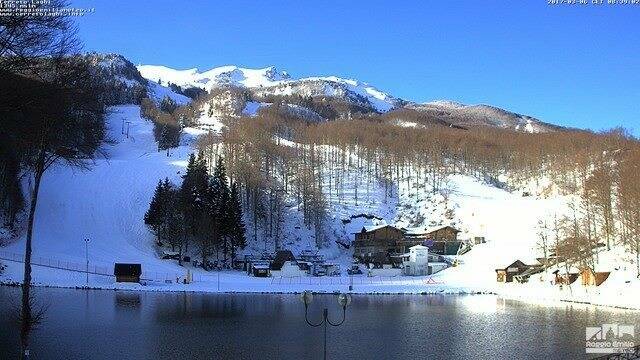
[379, 244]
[442, 240]
[591, 278]
[127, 272]
[373, 241]
[507, 274]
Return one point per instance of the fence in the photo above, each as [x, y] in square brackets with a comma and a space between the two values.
[95, 269]
[57, 264]
[158, 276]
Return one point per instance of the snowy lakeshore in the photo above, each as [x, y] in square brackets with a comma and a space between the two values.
[106, 204]
[238, 282]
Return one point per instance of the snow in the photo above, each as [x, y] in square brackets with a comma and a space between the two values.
[106, 204]
[446, 103]
[224, 75]
[251, 108]
[270, 77]
[159, 92]
[407, 124]
[210, 122]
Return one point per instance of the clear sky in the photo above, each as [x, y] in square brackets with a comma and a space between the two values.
[567, 64]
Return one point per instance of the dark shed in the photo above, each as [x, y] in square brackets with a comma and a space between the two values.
[127, 272]
[281, 257]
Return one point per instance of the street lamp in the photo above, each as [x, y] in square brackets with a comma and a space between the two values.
[86, 249]
[343, 300]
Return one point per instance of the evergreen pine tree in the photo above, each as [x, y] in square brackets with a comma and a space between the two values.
[153, 216]
[236, 224]
[192, 197]
[219, 197]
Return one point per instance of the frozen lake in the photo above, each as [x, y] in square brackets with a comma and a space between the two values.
[100, 324]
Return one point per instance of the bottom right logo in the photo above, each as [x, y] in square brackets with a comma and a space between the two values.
[610, 338]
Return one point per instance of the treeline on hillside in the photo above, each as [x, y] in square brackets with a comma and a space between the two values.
[167, 125]
[330, 108]
[606, 214]
[417, 117]
[121, 80]
[342, 160]
[190, 92]
[203, 212]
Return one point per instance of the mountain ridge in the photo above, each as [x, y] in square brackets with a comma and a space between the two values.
[271, 81]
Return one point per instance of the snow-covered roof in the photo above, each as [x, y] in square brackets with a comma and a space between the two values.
[421, 230]
[375, 227]
[419, 247]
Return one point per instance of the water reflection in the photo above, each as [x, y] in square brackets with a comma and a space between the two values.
[128, 299]
[104, 324]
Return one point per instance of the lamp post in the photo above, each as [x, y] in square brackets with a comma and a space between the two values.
[86, 251]
[343, 300]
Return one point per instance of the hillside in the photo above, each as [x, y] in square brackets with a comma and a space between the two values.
[310, 185]
[106, 205]
[121, 186]
[482, 115]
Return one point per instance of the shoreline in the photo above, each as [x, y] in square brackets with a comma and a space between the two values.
[540, 301]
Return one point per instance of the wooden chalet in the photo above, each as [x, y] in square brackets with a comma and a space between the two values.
[382, 244]
[374, 244]
[508, 273]
[593, 278]
[127, 272]
[441, 240]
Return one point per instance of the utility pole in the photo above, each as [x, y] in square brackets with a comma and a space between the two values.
[128, 123]
[86, 249]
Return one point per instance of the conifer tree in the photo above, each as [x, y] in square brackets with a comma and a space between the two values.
[218, 205]
[153, 216]
[234, 219]
[192, 196]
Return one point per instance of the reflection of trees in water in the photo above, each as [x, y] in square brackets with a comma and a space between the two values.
[30, 315]
[196, 325]
[186, 307]
[128, 300]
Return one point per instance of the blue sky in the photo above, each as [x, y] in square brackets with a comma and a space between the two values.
[571, 65]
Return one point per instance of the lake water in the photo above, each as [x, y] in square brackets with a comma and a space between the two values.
[103, 324]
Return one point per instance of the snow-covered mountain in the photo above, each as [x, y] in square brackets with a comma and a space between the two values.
[268, 82]
[271, 81]
[123, 82]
